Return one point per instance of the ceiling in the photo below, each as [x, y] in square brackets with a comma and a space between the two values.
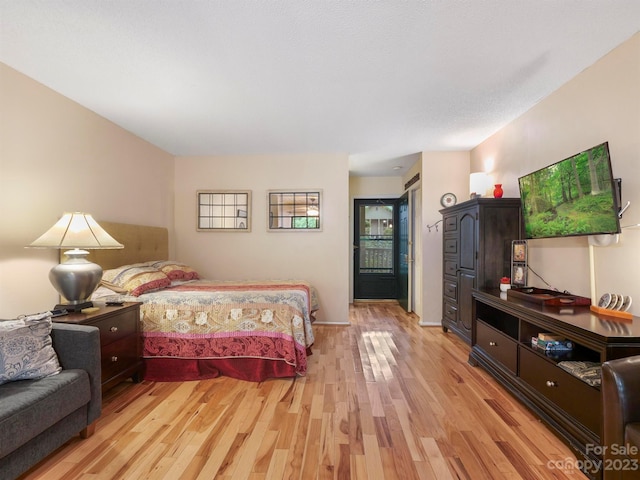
[378, 80]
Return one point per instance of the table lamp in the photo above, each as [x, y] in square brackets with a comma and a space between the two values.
[76, 278]
[479, 183]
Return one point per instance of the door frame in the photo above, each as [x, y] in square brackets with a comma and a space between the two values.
[376, 281]
[404, 247]
[416, 281]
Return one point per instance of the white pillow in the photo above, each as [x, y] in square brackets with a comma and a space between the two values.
[26, 350]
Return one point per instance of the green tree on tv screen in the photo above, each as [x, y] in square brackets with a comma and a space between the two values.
[571, 197]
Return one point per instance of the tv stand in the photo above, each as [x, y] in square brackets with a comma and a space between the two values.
[502, 331]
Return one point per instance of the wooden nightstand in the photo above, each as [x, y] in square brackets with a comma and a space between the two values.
[120, 341]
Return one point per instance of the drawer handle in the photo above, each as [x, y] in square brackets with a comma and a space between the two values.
[114, 329]
[493, 344]
[114, 359]
[551, 383]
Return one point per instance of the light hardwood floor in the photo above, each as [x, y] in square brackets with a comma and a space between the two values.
[383, 399]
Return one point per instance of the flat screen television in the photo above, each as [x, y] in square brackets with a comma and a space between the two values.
[575, 196]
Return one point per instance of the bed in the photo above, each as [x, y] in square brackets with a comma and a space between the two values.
[195, 328]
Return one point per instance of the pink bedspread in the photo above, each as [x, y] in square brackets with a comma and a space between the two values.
[248, 330]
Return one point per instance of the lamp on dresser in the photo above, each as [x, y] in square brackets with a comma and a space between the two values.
[76, 278]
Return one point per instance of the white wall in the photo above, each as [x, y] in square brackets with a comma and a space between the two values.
[319, 257]
[57, 156]
[600, 104]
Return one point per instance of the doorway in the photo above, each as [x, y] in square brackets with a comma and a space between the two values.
[376, 249]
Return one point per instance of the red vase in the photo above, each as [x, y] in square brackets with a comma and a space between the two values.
[497, 192]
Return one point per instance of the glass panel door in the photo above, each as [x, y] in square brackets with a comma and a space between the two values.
[375, 249]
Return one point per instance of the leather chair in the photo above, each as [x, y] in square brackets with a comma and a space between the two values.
[621, 412]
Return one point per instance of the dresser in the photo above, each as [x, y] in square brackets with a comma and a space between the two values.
[502, 344]
[477, 236]
[120, 341]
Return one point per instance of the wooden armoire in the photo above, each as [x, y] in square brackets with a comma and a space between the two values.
[477, 236]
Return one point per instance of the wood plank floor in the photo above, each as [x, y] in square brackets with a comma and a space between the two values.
[383, 399]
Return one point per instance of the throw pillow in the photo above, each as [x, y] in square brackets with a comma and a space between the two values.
[176, 270]
[26, 350]
[135, 279]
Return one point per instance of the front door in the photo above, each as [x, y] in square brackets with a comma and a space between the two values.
[375, 249]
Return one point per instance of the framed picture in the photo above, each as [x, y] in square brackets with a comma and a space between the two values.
[519, 253]
[223, 210]
[519, 275]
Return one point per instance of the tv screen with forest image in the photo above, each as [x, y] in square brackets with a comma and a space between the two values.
[575, 196]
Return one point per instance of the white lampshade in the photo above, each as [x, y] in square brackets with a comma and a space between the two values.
[76, 230]
[479, 183]
[76, 278]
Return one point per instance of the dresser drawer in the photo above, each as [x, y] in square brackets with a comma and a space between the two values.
[451, 224]
[499, 346]
[118, 356]
[116, 327]
[450, 267]
[450, 245]
[571, 394]
[450, 289]
[450, 312]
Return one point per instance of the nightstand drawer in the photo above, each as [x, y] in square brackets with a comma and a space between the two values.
[566, 391]
[115, 327]
[118, 356]
[499, 346]
[120, 341]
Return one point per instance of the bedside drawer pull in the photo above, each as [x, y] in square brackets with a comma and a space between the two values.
[113, 329]
[493, 344]
[551, 383]
[115, 359]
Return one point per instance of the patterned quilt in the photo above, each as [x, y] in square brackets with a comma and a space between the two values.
[205, 319]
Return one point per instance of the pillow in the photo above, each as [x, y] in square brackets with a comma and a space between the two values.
[26, 350]
[109, 287]
[176, 270]
[136, 279]
[106, 294]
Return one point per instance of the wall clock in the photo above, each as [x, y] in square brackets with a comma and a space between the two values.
[448, 200]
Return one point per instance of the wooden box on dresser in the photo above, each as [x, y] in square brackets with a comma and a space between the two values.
[477, 236]
[120, 341]
[503, 327]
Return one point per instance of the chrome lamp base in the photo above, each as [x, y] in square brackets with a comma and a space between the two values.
[75, 279]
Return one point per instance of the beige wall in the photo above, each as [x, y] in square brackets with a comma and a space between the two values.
[319, 257]
[57, 156]
[600, 104]
[442, 172]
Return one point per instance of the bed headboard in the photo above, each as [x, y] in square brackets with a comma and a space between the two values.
[141, 244]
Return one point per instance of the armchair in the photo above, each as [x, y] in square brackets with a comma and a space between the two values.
[621, 414]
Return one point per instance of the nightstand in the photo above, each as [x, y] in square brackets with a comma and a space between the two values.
[120, 341]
